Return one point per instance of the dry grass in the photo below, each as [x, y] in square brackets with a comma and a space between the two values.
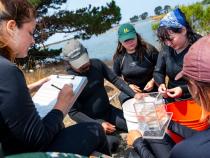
[44, 72]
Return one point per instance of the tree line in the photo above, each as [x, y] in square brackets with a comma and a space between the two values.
[158, 11]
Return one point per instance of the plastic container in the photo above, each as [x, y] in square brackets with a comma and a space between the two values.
[150, 109]
[149, 113]
[130, 115]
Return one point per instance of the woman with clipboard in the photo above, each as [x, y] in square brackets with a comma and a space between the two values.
[21, 128]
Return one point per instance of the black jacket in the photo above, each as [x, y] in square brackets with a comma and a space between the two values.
[133, 69]
[169, 64]
[21, 128]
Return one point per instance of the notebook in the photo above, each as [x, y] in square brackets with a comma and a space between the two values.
[46, 97]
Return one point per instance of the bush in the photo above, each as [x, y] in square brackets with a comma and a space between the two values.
[155, 26]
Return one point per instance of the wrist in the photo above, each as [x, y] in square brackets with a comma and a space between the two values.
[162, 84]
[152, 80]
[59, 106]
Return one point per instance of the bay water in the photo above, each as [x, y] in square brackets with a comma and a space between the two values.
[104, 45]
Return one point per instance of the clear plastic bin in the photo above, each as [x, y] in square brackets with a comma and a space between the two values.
[152, 116]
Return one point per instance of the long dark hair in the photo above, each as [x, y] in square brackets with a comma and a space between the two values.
[163, 32]
[141, 48]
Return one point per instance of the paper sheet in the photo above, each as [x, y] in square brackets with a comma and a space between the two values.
[46, 96]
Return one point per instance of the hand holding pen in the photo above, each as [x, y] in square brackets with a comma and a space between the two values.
[64, 100]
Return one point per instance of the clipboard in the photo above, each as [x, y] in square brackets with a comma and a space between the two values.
[46, 97]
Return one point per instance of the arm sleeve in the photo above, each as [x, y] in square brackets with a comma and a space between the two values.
[117, 81]
[184, 89]
[20, 115]
[159, 71]
[78, 116]
[116, 66]
[183, 131]
[153, 54]
[142, 149]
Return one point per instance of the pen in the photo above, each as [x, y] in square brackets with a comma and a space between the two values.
[55, 86]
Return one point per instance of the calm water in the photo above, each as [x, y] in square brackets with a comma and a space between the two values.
[104, 45]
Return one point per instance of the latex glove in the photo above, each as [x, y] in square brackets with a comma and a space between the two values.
[174, 92]
[149, 86]
[132, 136]
[163, 90]
[108, 127]
[135, 88]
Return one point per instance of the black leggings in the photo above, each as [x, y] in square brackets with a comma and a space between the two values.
[154, 148]
[82, 138]
[123, 97]
[115, 117]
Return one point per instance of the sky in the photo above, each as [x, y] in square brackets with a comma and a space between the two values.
[129, 8]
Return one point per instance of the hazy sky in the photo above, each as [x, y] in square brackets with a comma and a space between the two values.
[129, 7]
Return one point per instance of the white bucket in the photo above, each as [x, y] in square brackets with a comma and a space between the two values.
[130, 115]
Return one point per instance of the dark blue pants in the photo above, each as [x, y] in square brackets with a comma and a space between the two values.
[123, 97]
[115, 117]
[82, 138]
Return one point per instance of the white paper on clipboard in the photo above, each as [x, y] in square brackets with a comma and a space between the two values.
[46, 97]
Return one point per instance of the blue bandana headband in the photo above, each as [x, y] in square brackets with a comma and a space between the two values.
[174, 19]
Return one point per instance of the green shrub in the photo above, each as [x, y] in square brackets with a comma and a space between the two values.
[155, 26]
